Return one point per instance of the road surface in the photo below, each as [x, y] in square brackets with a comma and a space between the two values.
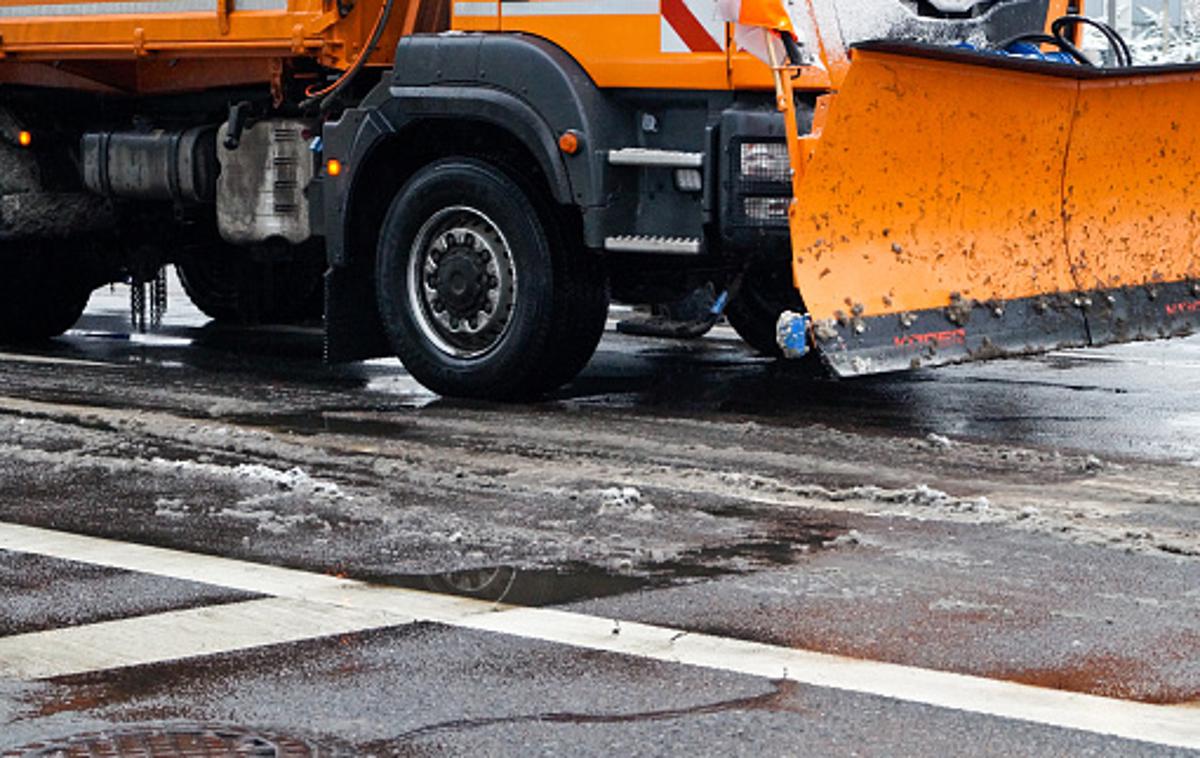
[205, 531]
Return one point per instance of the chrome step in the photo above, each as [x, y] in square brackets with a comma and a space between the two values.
[641, 243]
[645, 156]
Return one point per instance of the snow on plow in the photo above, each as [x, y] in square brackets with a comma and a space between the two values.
[952, 205]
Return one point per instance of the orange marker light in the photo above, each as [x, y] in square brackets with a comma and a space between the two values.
[569, 142]
[333, 167]
[24, 138]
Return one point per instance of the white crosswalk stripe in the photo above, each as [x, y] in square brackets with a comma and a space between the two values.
[307, 605]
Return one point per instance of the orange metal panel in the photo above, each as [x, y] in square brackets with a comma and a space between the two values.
[47, 75]
[50, 37]
[932, 179]
[1132, 182]
[115, 29]
[179, 48]
[156, 76]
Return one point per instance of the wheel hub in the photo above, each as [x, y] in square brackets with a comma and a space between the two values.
[462, 282]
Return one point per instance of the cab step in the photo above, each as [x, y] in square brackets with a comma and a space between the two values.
[640, 243]
[653, 158]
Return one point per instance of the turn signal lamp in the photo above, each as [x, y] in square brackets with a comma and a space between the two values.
[568, 142]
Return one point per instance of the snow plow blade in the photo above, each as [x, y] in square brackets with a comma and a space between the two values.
[955, 206]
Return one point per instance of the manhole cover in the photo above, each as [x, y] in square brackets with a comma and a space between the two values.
[174, 742]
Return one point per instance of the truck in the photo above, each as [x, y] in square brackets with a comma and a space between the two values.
[468, 184]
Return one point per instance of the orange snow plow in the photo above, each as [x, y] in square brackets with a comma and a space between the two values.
[953, 205]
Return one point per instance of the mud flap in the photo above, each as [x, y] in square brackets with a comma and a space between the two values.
[956, 206]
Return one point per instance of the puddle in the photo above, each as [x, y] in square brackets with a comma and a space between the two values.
[526, 587]
[576, 581]
[310, 423]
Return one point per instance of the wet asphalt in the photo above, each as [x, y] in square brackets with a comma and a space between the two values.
[1136, 400]
[1033, 520]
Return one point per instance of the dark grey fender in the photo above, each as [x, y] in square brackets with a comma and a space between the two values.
[523, 84]
[494, 106]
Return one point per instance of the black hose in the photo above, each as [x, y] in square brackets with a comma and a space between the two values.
[1060, 30]
[791, 48]
[1041, 38]
[326, 98]
[1062, 25]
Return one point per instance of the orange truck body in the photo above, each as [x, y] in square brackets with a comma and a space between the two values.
[178, 45]
[157, 46]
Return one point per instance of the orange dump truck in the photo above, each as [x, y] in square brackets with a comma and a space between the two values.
[467, 184]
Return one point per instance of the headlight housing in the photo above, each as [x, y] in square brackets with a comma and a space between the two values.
[761, 183]
[765, 162]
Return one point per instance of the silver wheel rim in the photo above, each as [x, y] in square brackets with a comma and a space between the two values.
[462, 283]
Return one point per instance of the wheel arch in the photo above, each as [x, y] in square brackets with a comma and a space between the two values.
[396, 156]
[504, 98]
[385, 166]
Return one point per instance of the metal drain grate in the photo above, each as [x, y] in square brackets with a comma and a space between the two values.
[173, 742]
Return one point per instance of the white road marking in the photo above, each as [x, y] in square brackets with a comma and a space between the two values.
[178, 634]
[347, 605]
[19, 358]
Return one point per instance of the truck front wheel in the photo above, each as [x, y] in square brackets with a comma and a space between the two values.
[480, 289]
[765, 292]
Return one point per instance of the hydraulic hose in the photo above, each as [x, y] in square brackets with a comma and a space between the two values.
[325, 97]
[1060, 30]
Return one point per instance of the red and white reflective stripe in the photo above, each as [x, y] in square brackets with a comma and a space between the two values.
[687, 26]
[691, 26]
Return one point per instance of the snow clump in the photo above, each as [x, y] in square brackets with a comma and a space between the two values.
[625, 502]
[292, 480]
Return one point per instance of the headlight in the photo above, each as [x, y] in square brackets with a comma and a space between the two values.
[765, 162]
[766, 208]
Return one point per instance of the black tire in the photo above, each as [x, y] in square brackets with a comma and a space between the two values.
[40, 298]
[506, 305]
[229, 287]
[211, 283]
[766, 291]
